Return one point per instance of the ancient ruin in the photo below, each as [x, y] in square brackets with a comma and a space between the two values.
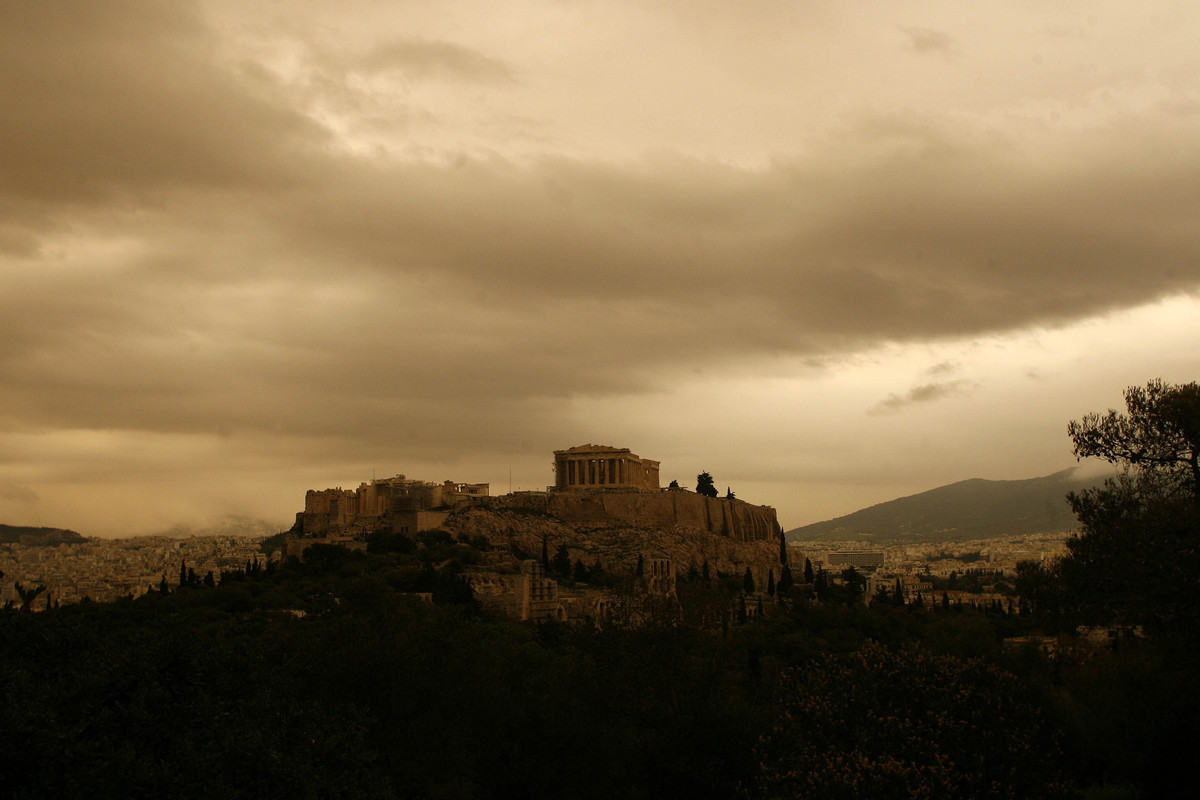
[595, 487]
[397, 504]
[589, 467]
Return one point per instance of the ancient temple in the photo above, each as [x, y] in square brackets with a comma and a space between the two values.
[597, 466]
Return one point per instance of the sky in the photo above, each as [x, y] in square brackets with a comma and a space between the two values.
[831, 253]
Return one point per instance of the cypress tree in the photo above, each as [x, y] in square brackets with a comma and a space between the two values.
[562, 561]
[785, 581]
[808, 571]
[783, 556]
[771, 582]
[748, 581]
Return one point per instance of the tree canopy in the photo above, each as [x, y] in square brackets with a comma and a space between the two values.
[705, 485]
[1136, 555]
[1156, 444]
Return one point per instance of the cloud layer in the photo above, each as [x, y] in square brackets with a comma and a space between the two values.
[333, 242]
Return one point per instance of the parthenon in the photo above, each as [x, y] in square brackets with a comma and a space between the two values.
[597, 466]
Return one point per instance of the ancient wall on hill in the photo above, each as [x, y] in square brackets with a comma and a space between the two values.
[732, 518]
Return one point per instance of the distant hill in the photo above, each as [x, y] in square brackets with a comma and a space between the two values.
[971, 509]
[230, 525]
[38, 537]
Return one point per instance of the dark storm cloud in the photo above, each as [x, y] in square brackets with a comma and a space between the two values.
[187, 250]
[116, 102]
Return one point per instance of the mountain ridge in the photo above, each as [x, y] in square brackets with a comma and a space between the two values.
[975, 508]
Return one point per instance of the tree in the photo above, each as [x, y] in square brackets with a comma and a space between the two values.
[1136, 556]
[562, 561]
[1157, 443]
[783, 553]
[856, 585]
[28, 595]
[748, 581]
[705, 485]
[729, 495]
[674, 484]
[808, 571]
[771, 582]
[785, 581]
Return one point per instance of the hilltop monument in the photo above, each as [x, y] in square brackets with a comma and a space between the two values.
[598, 466]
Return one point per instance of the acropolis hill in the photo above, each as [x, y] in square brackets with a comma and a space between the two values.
[605, 502]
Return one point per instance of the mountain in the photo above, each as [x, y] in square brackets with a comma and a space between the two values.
[37, 537]
[970, 509]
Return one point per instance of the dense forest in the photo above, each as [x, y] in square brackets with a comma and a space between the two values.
[331, 678]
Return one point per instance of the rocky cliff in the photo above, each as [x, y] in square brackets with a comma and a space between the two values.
[615, 545]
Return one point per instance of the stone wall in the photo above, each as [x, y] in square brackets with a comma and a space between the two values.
[729, 517]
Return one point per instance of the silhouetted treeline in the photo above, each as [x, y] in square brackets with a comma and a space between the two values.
[227, 691]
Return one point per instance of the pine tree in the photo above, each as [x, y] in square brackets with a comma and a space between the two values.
[705, 485]
[182, 573]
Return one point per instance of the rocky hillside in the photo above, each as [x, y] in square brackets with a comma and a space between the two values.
[617, 547]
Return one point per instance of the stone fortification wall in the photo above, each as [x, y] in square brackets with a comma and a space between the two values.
[616, 546]
[732, 518]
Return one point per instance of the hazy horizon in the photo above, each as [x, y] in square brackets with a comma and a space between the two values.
[833, 255]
